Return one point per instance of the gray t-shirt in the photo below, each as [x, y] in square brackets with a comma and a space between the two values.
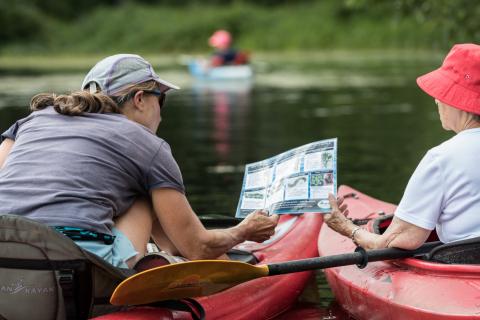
[82, 171]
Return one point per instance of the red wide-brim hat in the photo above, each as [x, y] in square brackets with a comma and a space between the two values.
[457, 82]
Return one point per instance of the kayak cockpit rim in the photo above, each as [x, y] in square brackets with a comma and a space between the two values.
[379, 224]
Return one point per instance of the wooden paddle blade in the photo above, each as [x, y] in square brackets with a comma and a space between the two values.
[184, 280]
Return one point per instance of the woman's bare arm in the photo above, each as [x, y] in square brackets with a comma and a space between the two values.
[187, 234]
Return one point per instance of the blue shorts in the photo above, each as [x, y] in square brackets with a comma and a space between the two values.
[116, 253]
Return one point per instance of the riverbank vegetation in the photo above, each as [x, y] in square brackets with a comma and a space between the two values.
[183, 26]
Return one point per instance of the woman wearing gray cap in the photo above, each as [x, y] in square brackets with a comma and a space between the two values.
[89, 163]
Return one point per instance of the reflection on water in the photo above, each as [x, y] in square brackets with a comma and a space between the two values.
[383, 122]
[229, 101]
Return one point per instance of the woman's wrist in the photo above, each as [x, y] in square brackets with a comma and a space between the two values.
[354, 233]
[239, 233]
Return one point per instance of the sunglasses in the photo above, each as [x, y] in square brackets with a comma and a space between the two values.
[161, 96]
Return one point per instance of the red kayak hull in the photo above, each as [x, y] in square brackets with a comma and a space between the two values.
[401, 289]
[262, 298]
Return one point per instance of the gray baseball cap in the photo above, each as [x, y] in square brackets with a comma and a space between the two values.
[116, 72]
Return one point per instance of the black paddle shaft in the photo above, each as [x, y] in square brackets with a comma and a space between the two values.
[360, 258]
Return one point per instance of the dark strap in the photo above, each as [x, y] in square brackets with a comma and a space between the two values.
[78, 234]
[67, 283]
[38, 264]
[187, 304]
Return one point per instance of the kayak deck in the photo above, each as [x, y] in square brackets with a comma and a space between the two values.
[400, 289]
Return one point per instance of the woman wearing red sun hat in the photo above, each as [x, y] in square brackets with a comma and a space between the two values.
[444, 191]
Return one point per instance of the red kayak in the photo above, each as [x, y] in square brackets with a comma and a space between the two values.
[264, 298]
[410, 288]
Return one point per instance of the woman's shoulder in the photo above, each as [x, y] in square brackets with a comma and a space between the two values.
[108, 126]
[133, 133]
[37, 114]
[462, 143]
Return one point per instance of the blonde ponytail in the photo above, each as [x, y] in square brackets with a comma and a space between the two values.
[75, 103]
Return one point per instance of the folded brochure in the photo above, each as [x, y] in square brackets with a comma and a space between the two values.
[295, 181]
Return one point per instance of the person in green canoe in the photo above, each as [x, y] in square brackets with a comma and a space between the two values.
[90, 165]
[444, 191]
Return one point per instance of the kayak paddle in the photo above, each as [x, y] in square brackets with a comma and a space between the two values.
[206, 277]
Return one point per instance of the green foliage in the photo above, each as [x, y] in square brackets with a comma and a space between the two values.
[69, 9]
[454, 21]
[19, 21]
[158, 26]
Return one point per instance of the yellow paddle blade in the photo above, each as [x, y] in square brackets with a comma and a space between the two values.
[184, 280]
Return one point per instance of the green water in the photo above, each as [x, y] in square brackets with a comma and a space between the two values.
[383, 122]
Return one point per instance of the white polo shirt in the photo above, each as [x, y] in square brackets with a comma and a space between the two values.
[444, 190]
